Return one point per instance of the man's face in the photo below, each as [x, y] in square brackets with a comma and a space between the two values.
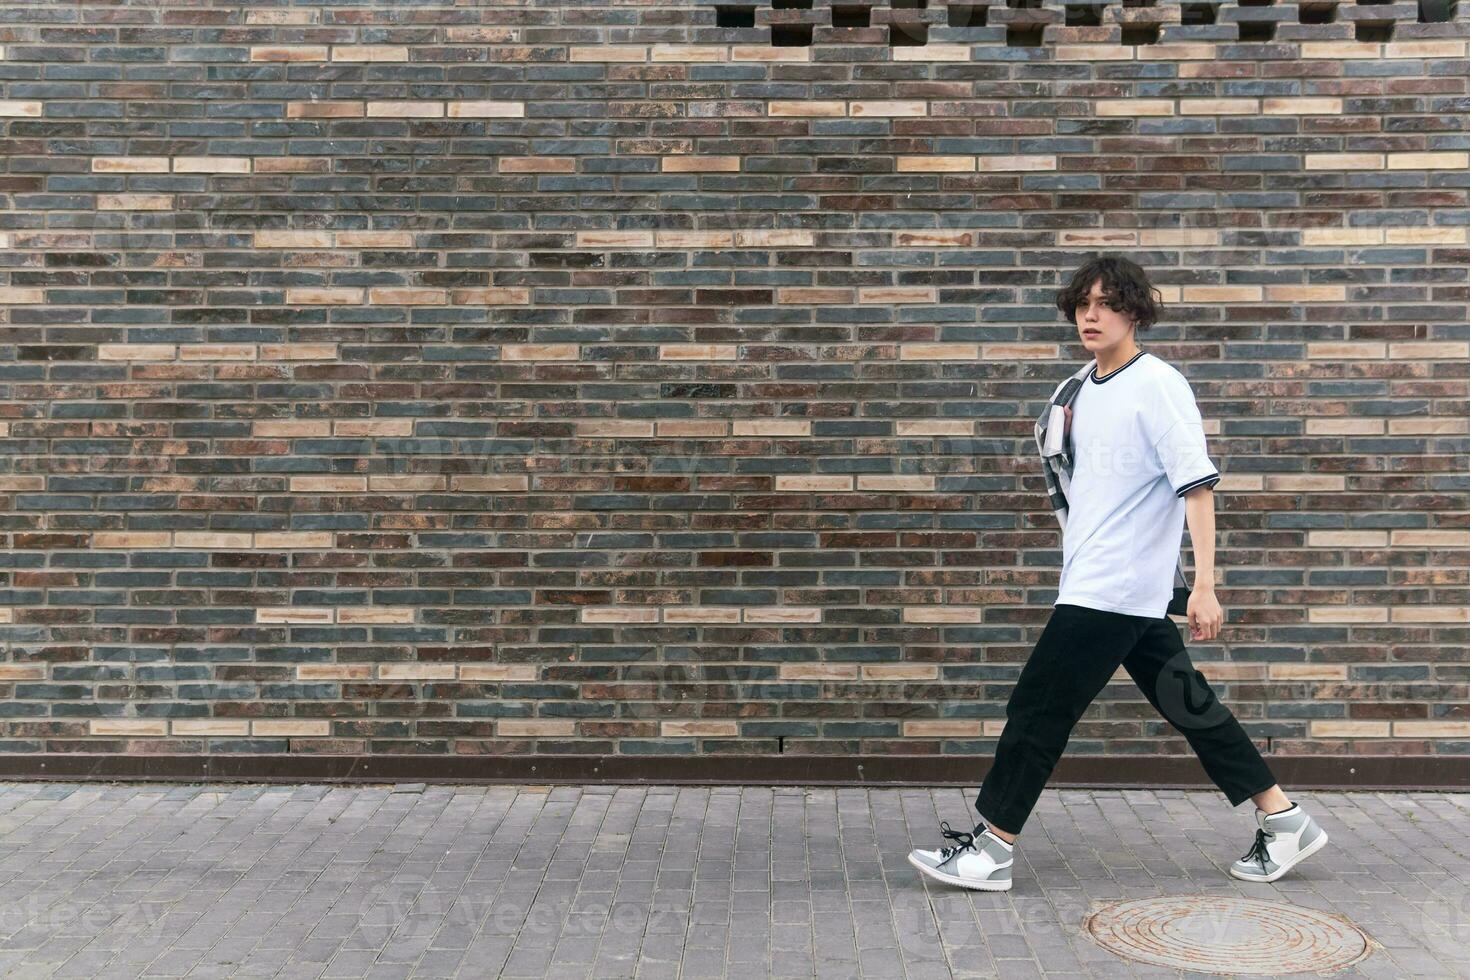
[1099, 326]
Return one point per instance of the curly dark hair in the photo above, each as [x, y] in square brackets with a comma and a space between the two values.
[1124, 283]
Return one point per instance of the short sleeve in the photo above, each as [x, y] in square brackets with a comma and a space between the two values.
[1173, 424]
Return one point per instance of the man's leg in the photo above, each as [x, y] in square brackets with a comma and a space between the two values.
[1161, 668]
[1076, 655]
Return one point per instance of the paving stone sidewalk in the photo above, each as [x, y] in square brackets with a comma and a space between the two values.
[102, 880]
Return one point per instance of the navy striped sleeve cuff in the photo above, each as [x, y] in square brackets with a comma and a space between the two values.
[1204, 481]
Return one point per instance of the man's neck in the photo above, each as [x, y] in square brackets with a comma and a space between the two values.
[1116, 356]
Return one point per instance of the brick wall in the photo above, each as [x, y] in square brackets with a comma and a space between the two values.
[645, 379]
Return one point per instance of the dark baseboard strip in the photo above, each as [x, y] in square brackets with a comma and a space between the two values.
[1122, 772]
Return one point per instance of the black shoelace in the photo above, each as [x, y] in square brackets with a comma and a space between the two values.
[965, 840]
[1257, 852]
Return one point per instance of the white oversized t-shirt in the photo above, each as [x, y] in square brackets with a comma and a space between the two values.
[1138, 445]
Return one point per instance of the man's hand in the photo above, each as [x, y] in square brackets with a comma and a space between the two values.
[1205, 614]
[1067, 428]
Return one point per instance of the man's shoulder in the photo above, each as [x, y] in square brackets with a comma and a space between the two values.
[1162, 372]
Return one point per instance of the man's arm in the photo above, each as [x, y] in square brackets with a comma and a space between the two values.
[1205, 614]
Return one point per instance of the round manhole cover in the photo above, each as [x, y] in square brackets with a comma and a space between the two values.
[1230, 936]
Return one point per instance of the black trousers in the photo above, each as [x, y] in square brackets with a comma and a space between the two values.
[1077, 654]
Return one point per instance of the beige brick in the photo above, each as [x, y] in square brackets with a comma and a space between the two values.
[373, 427]
[290, 727]
[491, 296]
[323, 296]
[990, 164]
[921, 728]
[416, 672]
[131, 539]
[1342, 161]
[223, 727]
[291, 428]
[1308, 672]
[1347, 614]
[407, 296]
[20, 295]
[138, 727]
[216, 352]
[334, 672]
[1152, 237]
[818, 672]
[324, 110]
[136, 352]
[938, 352]
[1431, 729]
[482, 35]
[1429, 161]
[934, 427]
[298, 352]
[764, 52]
[701, 729]
[1222, 294]
[701, 614]
[549, 727]
[1306, 294]
[1304, 484]
[293, 539]
[1178, 51]
[1447, 350]
[375, 239]
[499, 672]
[1214, 670]
[1344, 427]
[211, 165]
[1347, 539]
[7, 615]
[1101, 239]
[900, 672]
[135, 202]
[540, 352]
[934, 164]
[491, 483]
[1133, 107]
[771, 427]
[130, 165]
[817, 484]
[290, 52]
[292, 165]
[692, 428]
[538, 165]
[20, 107]
[699, 352]
[1352, 50]
[1426, 236]
[25, 483]
[608, 52]
[1219, 107]
[888, 107]
[22, 672]
[1021, 352]
[1093, 52]
[619, 428]
[1342, 236]
[1423, 427]
[1348, 729]
[775, 238]
[407, 483]
[1343, 350]
[619, 614]
[694, 239]
[281, 16]
[376, 614]
[369, 52]
[942, 614]
[1303, 106]
[328, 484]
[279, 238]
[1430, 614]
[930, 52]
[406, 109]
[689, 53]
[294, 614]
[1425, 49]
[900, 483]
[487, 110]
[701, 164]
[782, 614]
[212, 539]
[615, 239]
[805, 107]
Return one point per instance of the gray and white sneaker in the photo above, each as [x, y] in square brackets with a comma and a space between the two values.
[1282, 841]
[981, 861]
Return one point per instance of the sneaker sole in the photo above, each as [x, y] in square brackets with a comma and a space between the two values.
[1300, 856]
[949, 879]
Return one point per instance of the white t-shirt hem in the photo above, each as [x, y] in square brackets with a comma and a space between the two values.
[1092, 602]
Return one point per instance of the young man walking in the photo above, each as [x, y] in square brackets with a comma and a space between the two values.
[1138, 467]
